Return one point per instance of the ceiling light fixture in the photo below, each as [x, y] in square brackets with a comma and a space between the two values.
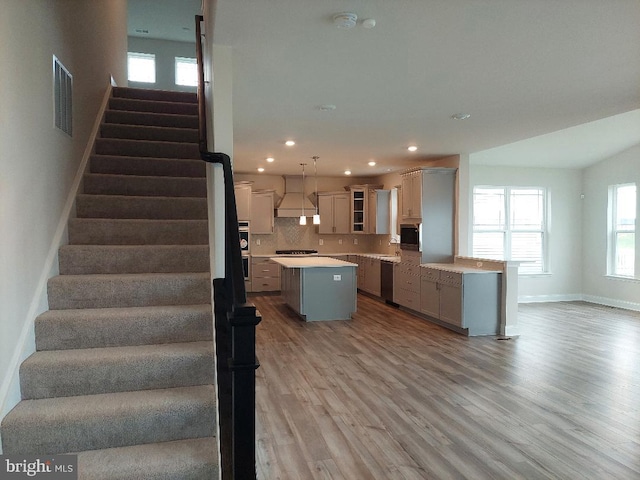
[372, 163]
[461, 116]
[303, 218]
[270, 159]
[347, 172]
[412, 148]
[316, 217]
[345, 20]
[260, 169]
[327, 107]
[289, 143]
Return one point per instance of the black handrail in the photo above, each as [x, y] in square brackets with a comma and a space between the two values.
[235, 322]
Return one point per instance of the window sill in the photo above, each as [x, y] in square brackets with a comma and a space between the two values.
[535, 275]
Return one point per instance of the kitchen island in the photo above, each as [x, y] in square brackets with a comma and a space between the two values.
[318, 288]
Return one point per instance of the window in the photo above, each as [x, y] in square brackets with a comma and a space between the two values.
[141, 67]
[622, 222]
[509, 223]
[186, 72]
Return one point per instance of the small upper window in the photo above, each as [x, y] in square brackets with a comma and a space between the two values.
[141, 67]
[186, 72]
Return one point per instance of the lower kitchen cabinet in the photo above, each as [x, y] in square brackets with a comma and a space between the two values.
[469, 301]
[406, 285]
[265, 275]
[369, 274]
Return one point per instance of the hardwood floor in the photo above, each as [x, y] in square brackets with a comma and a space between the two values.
[388, 395]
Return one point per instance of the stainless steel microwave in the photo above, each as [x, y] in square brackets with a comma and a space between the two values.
[410, 236]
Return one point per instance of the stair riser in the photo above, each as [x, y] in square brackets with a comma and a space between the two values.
[73, 329]
[105, 291]
[176, 414]
[159, 134]
[80, 259]
[113, 206]
[164, 167]
[98, 184]
[140, 148]
[89, 231]
[153, 107]
[153, 119]
[94, 371]
[155, 95]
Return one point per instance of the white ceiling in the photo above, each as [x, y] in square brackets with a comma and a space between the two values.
[522, 68]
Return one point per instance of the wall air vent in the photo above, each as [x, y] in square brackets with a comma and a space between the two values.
[62, 86]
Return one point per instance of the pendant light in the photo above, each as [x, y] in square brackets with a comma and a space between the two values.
[316, 217]
[303, 218]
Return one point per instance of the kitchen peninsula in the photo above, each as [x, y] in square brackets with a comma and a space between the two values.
[318, 288]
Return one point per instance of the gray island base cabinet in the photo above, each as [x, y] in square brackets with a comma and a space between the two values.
[319, 288]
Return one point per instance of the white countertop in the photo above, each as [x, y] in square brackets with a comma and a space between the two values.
[452, 267]
[289, 261]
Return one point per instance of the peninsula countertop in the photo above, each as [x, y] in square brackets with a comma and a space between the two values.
[311, 262]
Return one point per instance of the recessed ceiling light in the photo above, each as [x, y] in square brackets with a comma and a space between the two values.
[261, 169]
[289, 143]
[461, 116]
[270, 159]
[327, 107]
[347, 172]
[412, 148]
[372, 163]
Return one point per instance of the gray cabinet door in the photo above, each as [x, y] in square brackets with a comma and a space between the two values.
[451, 304]
[429, 298]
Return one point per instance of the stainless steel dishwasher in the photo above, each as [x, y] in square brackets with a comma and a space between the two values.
[386, 281]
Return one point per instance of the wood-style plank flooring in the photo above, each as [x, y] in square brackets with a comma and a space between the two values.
[388, 395]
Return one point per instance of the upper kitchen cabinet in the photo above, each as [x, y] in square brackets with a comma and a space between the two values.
[360, 206]
[334, 212]
[262, 212]
[379, 211]
[412, 196]
[243, 200]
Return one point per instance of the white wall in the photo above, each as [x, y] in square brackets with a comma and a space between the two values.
[38, 162]
[165, 51]
[564, 187]
[597, 287]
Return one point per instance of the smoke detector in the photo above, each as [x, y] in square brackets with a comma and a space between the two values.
[345, 20]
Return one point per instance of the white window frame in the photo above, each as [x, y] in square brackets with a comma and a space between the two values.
[185, 61]
[507, 230]
[151, 74]
[614, 232]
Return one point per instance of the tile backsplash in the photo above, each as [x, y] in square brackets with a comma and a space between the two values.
[289, 234]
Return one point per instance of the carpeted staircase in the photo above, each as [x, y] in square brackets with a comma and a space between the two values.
[124, 369]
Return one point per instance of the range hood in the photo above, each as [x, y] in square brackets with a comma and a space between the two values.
[292, 203]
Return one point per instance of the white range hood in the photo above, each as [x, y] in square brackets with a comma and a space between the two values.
[293, 204]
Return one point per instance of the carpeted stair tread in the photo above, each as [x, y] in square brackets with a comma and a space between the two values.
[146, 132]
[101, 231]
[128, 290]
[136, 105]
[71, 424]
[138, 185]
[155, 95]
[150, 166]
[123, 206]
[147, 148]
[110, 327]
[192, 459]
[90, 371]
[151, 119]
[88, 259]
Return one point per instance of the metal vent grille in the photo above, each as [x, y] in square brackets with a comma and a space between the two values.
[62, 85]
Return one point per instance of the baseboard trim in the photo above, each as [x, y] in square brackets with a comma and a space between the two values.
[573, 297]
[10, 388]
[612, 302]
